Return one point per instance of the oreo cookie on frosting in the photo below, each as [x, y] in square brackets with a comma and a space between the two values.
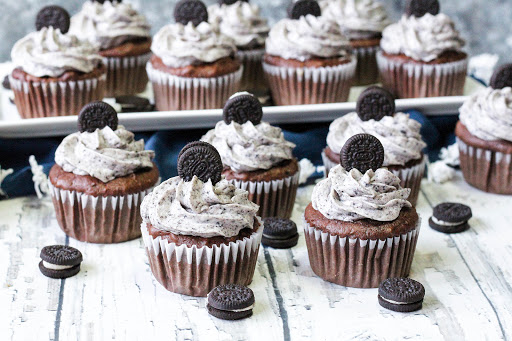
[60, 261]
[241, 108]
[363, 152]
[375, 103]
[200, 159]
[193, 11]
[419, 8]
[97, 115]
[230, 302]
[302, 8]
[401, 294]
[231, 2]
[279, 233]
[502, 77]
[449, 217]
[54, 16]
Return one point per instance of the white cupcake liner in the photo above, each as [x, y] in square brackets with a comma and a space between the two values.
[187, 93]
[367, 71]
[290, 86]
[253, 78]
[196, 271]
[413, 80]
[360, 263]
[126, 75]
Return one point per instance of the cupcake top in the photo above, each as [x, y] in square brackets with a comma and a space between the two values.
[242, 22]
[109, 24]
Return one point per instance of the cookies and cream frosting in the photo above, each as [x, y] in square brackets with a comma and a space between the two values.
[248, 147]
[399, 134]
[179, 45]
[199, 208]
[104, 154]
[487, 114]
[50, 53]
[352, 196]
[109, 24]
[424, 38]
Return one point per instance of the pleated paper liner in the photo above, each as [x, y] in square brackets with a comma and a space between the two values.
[126, 75]
[367, 71]
[196, 271]
[253, 78]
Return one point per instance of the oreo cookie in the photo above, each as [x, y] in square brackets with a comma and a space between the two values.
[230, 2]
[449, 217]
[194, 11]
[363, 152]
[502, 77]
[230, 302]
[54, 16]
[130, 103]
[243, 107]
[97, 115]
[279, 233]
[375, 103]
[401, 294]
[60, 261]
[6, 84]
[302, 8]
[419, 8]
[202, 160]
[103, 1]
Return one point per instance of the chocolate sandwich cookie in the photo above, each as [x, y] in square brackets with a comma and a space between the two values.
[279, 233]
[401, 294]
[230, 2]
[130, 103]
[450, 217]
[194, 11]
[374, 103]
[419, 8]
[60, 261]
[363, 152]
[301, 8]
[97, 115]
[243, 107]
[202, 160]
[6, 84]
[54, 16]
[230, 302]
[502, 77]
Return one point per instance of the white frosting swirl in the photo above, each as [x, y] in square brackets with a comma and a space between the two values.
[424, 38]
[104, 154]
[248, 147]
[109, 24]
[487, 114]
[351, 196]
[49, 53]
[178, 45]
[199, 208]
[399, 134]
[306, 38]
[240, 21]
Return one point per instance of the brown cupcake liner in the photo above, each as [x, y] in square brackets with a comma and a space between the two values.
[185, 93]
[276, 198]
[413, 80]
[46, 99]
[360, 263]
[292, 86]
[126, 75]
[196, 271]
[485, 169]
[367, 71]
[103, 220]
[253, 78]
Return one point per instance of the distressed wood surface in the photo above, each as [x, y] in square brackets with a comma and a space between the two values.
[467, 278]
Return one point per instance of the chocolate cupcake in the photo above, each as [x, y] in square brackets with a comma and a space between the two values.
[256, 156]
[243, 22]
[422, 55]
[55, 73]
[124, 40]
[100, 177]
[200, 231]
[362, 21]
[308, 60]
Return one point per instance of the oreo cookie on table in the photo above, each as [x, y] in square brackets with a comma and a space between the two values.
[419, 8]
[230, 302]
[449, 217]
[502, 77]
[54, 16]
[375, 103]
[202, 160]
[97, 115]
[60, 261]
[363, 152]
[301, 8]
[279, 233]
[241, 108]
[401, 294]
[194, 11]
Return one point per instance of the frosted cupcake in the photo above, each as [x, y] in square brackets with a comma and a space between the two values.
[123, 37]
[308, 59]
[243, 22]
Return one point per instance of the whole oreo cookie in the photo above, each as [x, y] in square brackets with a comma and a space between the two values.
[363, 152]
[194, 11]
[401, 294]
[419, 8]
[302, 8]
[230, 302]
[54, 16]
[202, 160]
[230, 2]
[449, 217]
[243, 107]
[502, 77]
[60, 261]
[279, 233]
[375, 103]
[97, 115]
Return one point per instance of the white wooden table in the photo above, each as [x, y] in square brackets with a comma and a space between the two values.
[468, 281]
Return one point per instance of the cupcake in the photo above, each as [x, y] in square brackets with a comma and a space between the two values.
[123, 37]
[55, 73]
[100, 176]
[398, 133]
[194, 66]
[308, 60]
[422, 54]
[243, 22]
[256, 156]
[484, 135]
[359, 228]
[362, 21]
[200, 231]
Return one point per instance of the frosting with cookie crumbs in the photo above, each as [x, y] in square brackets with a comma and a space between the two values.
[199, 208]
[104, 154]
[352, 196]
